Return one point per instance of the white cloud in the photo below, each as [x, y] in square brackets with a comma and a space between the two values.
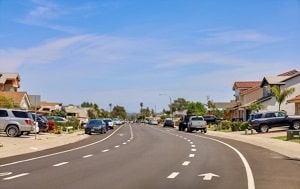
[240, 36]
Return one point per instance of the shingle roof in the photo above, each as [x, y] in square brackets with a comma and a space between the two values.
[245, 84]
[6, 76]
[16, 96]
[289, 73]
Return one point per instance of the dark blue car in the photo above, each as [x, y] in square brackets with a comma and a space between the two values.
[95, 126]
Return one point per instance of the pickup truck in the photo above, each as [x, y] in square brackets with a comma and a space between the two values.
[197, 123]
[263, 121]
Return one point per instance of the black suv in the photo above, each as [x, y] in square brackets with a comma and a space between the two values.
[42, 122]
[184, 122]
[263, 121]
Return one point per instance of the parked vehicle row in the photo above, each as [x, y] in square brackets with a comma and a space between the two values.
[16, 122]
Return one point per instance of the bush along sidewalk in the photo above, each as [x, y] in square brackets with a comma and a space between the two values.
[228, 126]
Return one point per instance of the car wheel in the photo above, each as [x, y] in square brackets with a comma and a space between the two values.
[264, 128]
[12, 131]
[296, 125]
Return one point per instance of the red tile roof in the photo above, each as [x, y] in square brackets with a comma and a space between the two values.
[289, 73]
[245, 84]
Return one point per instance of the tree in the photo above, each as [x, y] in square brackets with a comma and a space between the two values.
[255, 106]
[141, 105]
[281, 95]
[6, 102]
[110, 106]
[119, 112]
[196, 108]
[179, 104]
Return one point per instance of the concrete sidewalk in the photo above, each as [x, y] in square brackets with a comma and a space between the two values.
[11, 146]
[265, 140]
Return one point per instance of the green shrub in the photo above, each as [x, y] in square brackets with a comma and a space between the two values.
[244, 126]
[235, 126]
[225, 125]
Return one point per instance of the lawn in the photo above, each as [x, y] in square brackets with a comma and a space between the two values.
[284, 138]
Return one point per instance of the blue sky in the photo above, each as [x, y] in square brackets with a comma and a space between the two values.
[129, 51]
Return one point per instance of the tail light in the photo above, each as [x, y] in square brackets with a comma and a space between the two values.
[28, 121]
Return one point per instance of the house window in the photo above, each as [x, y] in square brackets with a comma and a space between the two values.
[266, 91]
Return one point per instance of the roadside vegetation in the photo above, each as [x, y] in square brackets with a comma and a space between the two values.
[284, 138]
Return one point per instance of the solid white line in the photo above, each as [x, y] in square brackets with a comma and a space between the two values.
[61, 152]
[192, 155]
[87, 156]
[185, 163]
[60, 164]
[173, 175]
[16, 176]
[250, 178]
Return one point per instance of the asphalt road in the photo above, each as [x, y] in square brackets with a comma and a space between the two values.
[151, 157]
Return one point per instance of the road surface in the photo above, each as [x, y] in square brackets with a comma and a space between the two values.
[136, 156]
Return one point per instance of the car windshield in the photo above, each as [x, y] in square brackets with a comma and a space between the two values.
[94, 122]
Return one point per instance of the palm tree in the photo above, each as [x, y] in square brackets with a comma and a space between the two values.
[281, 95]
[110, 105]
[255, 106]
[141, 105]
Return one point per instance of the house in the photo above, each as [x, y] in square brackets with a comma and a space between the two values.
[296, 101]
[78, 112]
[20, 99]
[246, 92]
[47, 107]
[9, 82]
[287, 80]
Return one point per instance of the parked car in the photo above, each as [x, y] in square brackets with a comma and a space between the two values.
[109, 123]
[15, 122]
[57, 119]
[169, 123]
[197, 123]
[42, 122]
[153, 122]
[263, 121]
[184, 122]
[95, 126]
[117, 121]
[210, 119]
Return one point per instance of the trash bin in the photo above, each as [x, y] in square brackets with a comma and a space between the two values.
[293, 134]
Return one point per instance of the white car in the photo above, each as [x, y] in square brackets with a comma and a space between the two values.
[109, 123]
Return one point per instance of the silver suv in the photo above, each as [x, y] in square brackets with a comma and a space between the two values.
[15, 122]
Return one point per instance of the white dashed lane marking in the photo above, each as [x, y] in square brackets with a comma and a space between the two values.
[173, 175]
[193, 149]
[192, 155]
[16, 176]
[105, 150]
[87, 156]
[60, 164]
[186, 163]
